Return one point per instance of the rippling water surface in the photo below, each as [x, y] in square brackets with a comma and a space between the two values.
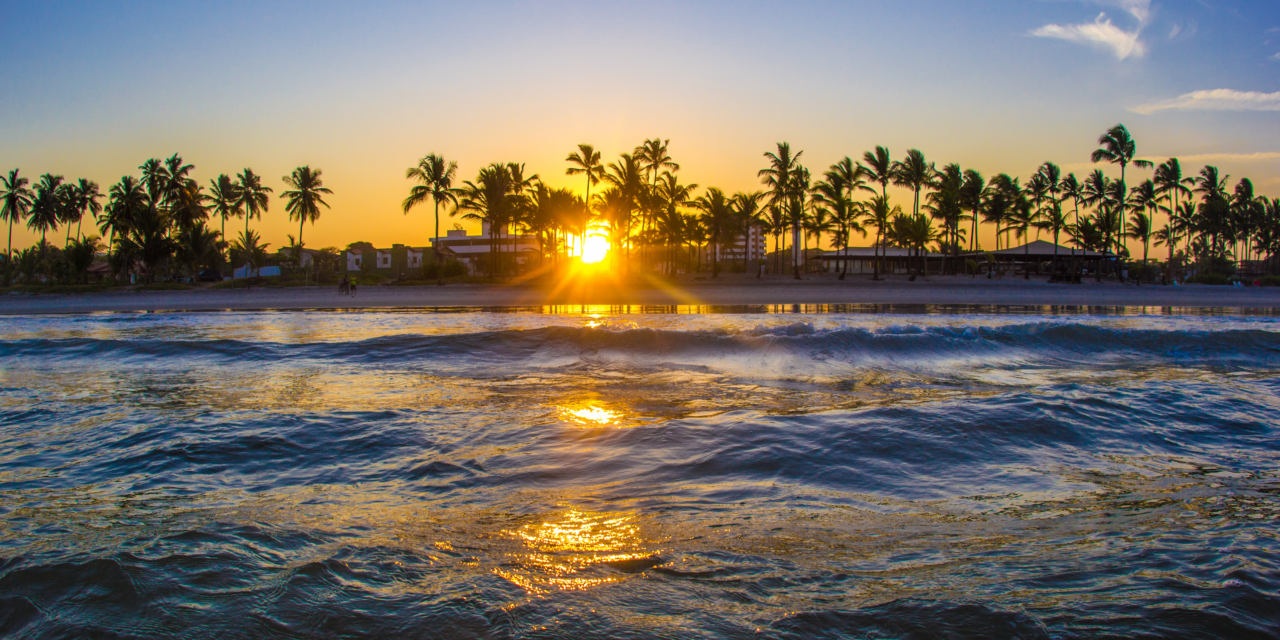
[425, 474]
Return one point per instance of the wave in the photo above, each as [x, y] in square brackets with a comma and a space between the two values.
[909, 345]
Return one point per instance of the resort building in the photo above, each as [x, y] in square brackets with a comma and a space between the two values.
[900, 260]
[744, 246]
[399, 261]
[473, 251]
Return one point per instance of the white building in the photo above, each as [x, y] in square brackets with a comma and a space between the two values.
[472, 251]
[749, 246]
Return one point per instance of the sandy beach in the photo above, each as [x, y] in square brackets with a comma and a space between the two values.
[729, 290]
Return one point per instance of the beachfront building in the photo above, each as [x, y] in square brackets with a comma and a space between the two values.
[749, 247]
[863, 260]
[398, 261]
[1039, 254]
[473, 250]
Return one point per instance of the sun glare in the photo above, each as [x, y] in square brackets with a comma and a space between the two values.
[595, 249]
[592, 416]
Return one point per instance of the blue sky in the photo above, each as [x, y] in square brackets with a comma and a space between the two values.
[361, 91]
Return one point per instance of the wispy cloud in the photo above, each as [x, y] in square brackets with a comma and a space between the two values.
[1262, 156]
[1100, 34]
[1215, 100]
[1276, 56]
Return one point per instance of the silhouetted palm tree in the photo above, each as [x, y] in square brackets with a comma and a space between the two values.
[491, 200]
[914, 173]
[250, 248]
[304, 198]
[877, 166]
[585, 161]
[435, 179]
[253, 197]
[16, 200]
[46, 206]
[779, 178]
[85, 197]
[1117, 147]
[717, 215]
[224, 194]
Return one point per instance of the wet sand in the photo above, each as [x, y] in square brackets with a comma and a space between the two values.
[729, 290]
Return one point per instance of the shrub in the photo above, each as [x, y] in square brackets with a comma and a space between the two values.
[1271, 281]
[452, 269]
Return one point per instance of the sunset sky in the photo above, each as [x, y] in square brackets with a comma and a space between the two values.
[362, 90]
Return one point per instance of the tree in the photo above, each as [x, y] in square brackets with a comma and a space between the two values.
[626, 175]
[914, 173]
[86, 202]
[199, 246]
[585, 161]
[126, 204]
[435, 179]
[779, 178]
[303, 199]
[878, 167]
[224, 196]
[79, 255]
[46, 206]
[249, 246]
[1140, 230]
[253, 197]
[1118, 147]
[15, 205]
[491, 199]
[718, 216]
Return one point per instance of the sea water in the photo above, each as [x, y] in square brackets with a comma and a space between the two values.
[606, 472]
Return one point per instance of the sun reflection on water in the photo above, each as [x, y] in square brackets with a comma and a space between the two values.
[577, 551]
[592, 416]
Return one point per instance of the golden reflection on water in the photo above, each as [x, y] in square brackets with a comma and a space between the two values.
[591, 416]
[570, 552]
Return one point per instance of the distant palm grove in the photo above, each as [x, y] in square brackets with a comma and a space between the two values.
[163, 224]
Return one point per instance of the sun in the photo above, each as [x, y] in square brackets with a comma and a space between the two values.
[595, 249]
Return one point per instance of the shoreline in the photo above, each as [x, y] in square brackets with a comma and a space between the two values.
[731, 290]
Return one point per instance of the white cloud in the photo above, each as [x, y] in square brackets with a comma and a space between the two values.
[1262, 156]
[1140, 9]
[1173, 33]
[1215, 100]
[1276, 57]
[1100, 34]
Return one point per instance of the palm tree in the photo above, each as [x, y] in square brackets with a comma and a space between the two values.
[779, 178]
[46, 206]
[626, 175]
[303, 200]
[914, 173]
[127, 200]
[718, 216]
[671, 195]
[971, 195]
[1140, 230]
[253, 197]
[654, 158]
[1071, 188]
[85, 196]
[749, 209]
[17, 198]
[585, 161]
[491, 200]
[249, 245]
[198, 246]
[1118, 147]
[878, 167]
[435, 179]
[224, 194]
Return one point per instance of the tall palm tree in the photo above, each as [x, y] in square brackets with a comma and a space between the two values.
[914, 173]
[971, 194]
[585, 161]
[127, 201]
[1071, 188]
[1140, 230]
[16, 198]
[46, 206]
[877, 166]
[654, 158]
[626, 175]
[250, 247]
[435, 179]
[303, 199]
[224, 194]
[1118, 147]
[780, 177]
[718, 216]
[1170, 183]
[85, 200]
[253, 197]
[491, 199]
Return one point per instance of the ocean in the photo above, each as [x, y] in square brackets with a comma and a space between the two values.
[682, 472]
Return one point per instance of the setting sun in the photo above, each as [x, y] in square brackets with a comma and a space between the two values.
[595, 249]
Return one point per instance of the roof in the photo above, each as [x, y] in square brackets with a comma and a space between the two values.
[479, 249]
[1040, 248]
[863, 252]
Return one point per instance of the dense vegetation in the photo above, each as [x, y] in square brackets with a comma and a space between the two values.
[159, 224]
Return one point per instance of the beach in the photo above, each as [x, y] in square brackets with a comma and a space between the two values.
[728, 290]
